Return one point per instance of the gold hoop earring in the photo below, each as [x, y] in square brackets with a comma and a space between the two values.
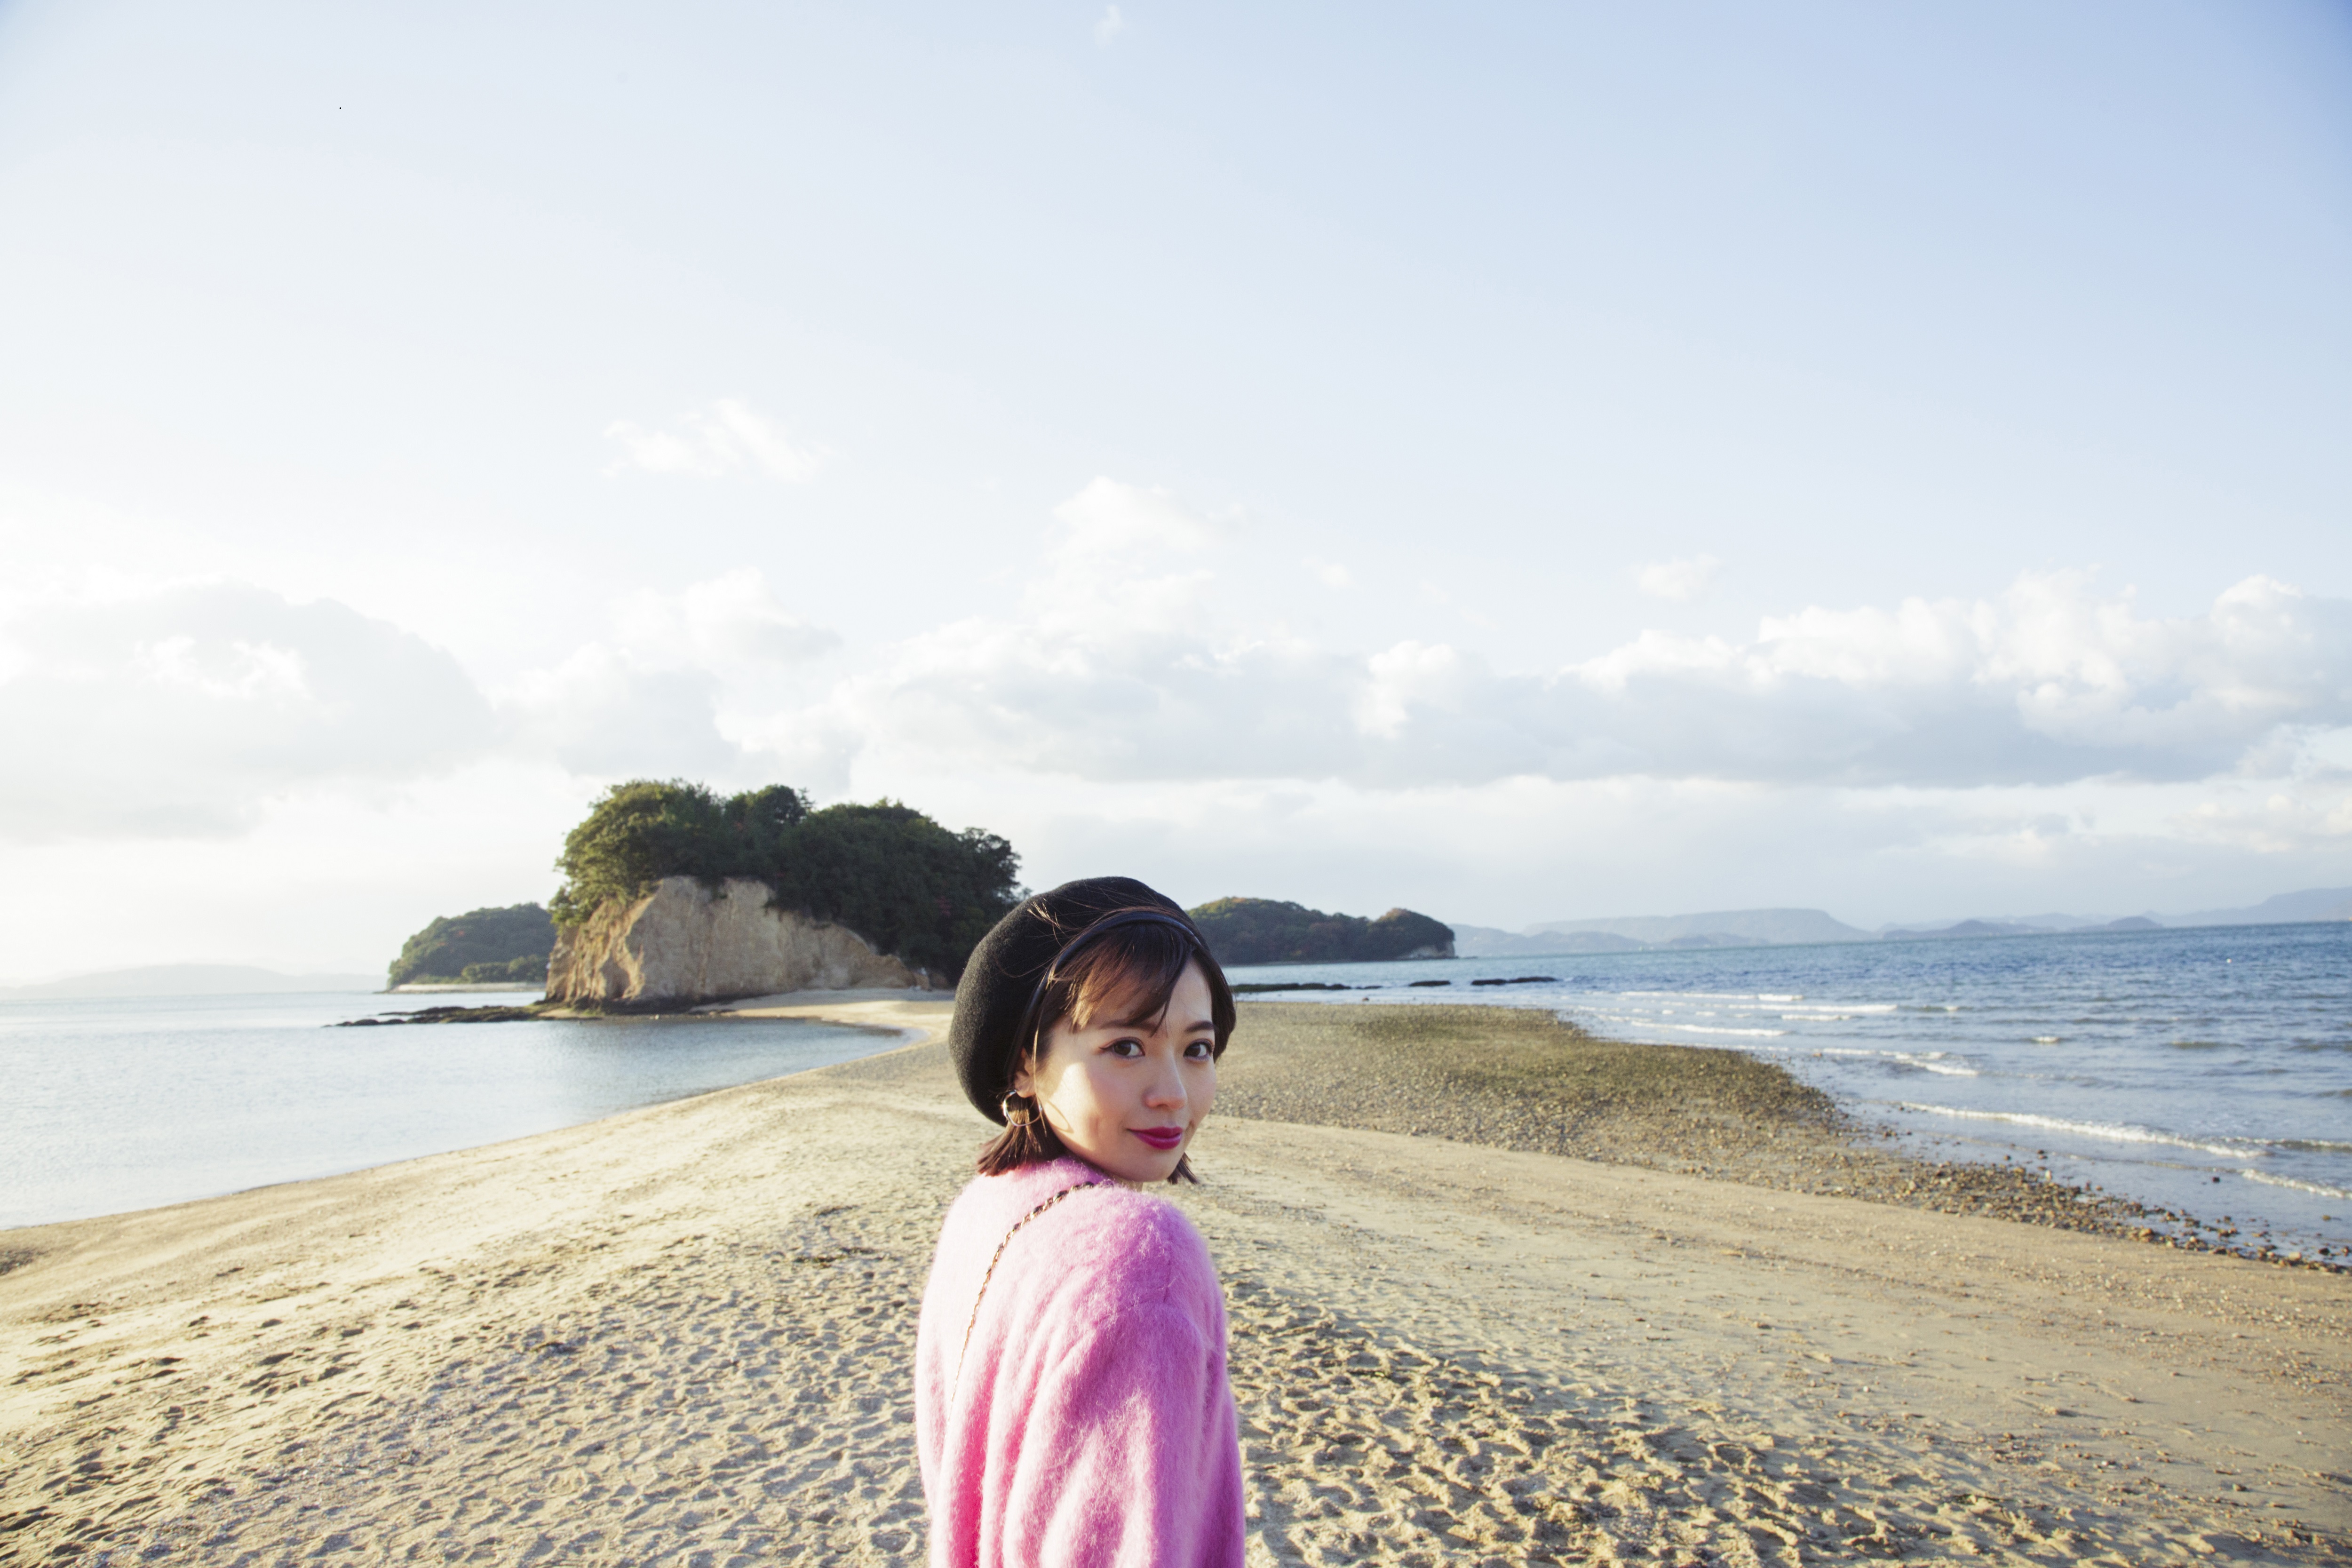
[1017, 1112]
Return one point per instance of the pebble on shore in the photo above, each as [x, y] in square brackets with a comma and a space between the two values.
[1522, 1079]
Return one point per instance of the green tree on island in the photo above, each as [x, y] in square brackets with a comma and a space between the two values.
[1267, 930]
[486, 946]
[906, 885]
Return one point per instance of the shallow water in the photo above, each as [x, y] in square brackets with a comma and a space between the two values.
[2209, 1070]
[119, 1104]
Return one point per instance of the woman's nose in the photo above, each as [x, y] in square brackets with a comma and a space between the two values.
[1166, 1088]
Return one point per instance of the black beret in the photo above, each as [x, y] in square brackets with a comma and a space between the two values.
[1000, 980]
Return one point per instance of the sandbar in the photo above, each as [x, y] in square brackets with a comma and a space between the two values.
[684, 1334]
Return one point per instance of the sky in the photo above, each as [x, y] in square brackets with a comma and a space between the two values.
[1536, 463]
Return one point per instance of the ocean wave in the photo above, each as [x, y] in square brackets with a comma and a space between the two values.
[2112, 1131]
[1926, 1061]
[2321, 1188]
[1708, 995]
[1793, 1007]
[1633, 1023]
[1831, 1012]
[1932, 1063]
[2316, 1145]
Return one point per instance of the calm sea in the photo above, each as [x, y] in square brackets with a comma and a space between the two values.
[2209, 1070]
[124, 1104]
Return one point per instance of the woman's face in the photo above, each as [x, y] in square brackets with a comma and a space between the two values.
[1127, 1098]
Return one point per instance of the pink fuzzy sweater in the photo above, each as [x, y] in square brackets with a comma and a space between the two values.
[1089, 1423]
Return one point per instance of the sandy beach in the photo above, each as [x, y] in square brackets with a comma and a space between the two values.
[683, 1335]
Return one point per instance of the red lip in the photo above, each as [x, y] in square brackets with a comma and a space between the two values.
[1162, 1138]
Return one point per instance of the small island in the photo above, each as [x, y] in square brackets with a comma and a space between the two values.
[1267, 930]
[674, 895]
[481, 947]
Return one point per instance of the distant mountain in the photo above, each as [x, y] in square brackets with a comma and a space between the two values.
[2311, 904]
[2053, 922]
[1630, 933]
[1966, 929]
[1740, 928]
[189, 980]
[1490, 942]
[1724, 928]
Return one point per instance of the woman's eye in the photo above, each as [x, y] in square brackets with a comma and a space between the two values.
[1200, 1050]
[1125, 1048]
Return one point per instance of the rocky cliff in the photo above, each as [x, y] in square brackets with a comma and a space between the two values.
[685, 943]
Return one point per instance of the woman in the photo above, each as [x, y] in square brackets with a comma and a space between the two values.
[1070, 1399]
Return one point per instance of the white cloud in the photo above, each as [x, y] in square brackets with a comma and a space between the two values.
[730, 624]
[328, 878]
[1115, 663]
[2046, 683]
[2309, 815]
[1108, 25]
[184, 712]
[683, 683]
[1119, 664]
[724, 439]
[2049, 727]
[1521, 849]
[605, 714]
[190, 712]
[1680, 581]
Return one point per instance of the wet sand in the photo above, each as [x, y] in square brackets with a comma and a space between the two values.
[683, 1334]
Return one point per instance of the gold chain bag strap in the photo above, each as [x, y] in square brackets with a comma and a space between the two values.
[973, 1322]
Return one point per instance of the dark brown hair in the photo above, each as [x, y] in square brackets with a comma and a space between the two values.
[1132, 968]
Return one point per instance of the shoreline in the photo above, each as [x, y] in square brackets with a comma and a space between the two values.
[688, 1328]
[1527, 1080]
[773, 1004]
[181, 1104]
[2197, 1070]
[1843, 1163]
[1821, 1147]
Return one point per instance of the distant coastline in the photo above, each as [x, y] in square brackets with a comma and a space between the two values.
[1798, 927]
[1549, 939]
[162, 980]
